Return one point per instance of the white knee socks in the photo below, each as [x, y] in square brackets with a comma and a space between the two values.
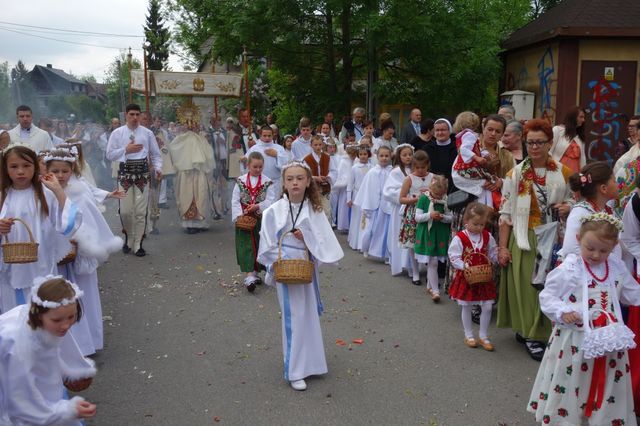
[414, 266]
[466, 321]
[432, 275]
[485, 319]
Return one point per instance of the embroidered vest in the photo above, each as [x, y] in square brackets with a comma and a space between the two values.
[325, 159]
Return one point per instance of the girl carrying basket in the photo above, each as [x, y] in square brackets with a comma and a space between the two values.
[295, 227]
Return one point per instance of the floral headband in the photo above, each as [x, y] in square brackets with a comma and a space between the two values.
[37, 283]
[295, 163]
[17, 144]
[70, 155]
[603, 217]
[404, 145]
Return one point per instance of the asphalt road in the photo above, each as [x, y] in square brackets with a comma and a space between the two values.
[185, 344]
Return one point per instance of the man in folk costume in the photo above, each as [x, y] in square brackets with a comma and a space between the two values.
[27, 133]
[132, 146]
[193, 159]
[323, 171]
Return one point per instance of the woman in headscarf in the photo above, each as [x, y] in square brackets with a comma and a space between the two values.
[442, 150]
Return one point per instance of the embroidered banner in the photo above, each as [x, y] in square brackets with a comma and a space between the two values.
[188, 83]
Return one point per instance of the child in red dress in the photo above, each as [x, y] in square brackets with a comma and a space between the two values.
[473, 238]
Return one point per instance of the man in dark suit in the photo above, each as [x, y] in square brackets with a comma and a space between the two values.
[412, 128]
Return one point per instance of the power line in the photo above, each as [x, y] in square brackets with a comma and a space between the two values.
[71, 31]
[65, 41]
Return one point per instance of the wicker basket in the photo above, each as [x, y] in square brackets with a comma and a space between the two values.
[78, 385]
[246, 222]
[292, 271]
[478, 274]
[71, 256]
[20, 252]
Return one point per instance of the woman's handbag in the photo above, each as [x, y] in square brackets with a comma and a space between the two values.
[459, 199]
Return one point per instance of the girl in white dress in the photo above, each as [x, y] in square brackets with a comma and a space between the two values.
[358, 172]
[375, 209]
[298, 223]
[95, 243]
[342, 214]
[597, 186]
[413, 187]
[39, 356]
[583, 380]
[41, 202]
[398, 256]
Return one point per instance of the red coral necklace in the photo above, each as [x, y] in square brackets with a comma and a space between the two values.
[606, 271]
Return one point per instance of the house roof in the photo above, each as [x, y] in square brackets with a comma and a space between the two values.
[49, 70]
[580, 18]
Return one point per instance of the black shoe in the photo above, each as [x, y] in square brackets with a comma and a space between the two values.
[251, 287]
[520, 339]
[155, 231]
[163, 206]
[192, 231]
[217, 217]
[258, 281]
[535, 349]
[141, 252]
[416, 282]
[126, 249]
[475, 314]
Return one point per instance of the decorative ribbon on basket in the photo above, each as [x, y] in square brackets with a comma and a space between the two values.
[20, 252]
[71, 256]
[293, 271]
[480, 273]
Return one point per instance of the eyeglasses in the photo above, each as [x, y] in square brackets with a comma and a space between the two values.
[537, 144]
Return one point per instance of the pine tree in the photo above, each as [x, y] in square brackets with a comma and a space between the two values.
[157, 37]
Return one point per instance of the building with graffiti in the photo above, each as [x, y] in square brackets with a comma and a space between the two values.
[581, 52]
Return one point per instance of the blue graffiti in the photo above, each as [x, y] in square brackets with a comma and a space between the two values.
[546, 69]
[606, 123]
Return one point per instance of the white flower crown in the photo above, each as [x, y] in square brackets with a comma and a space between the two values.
[37, 283]
[404, 145]
[71, 155]
[295, 163]
[603, 217]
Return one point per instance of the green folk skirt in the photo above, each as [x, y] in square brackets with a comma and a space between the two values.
[247, 248]
[518, 302]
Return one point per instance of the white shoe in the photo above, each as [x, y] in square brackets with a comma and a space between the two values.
[299, 385]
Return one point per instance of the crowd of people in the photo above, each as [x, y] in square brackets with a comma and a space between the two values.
[486, 210]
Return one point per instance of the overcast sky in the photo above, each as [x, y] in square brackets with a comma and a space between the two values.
[105, 16]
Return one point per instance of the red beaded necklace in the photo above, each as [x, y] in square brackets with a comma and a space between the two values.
[606, 271]
[596, 209]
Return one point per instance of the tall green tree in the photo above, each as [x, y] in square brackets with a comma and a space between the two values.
[116, 79]
[22, 90]
[439, 54]
[6, 104]
[538, 7]
[157, 36]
